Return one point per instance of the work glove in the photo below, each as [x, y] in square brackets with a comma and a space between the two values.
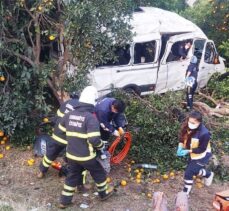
[116, 133]
[179, 149]
[121, 131]
[184, 152]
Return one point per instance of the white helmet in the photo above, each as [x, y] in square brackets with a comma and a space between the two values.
[89, 95]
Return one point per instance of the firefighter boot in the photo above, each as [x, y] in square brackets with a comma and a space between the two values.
[104, 195]
[82, 188]
[40, 175]
[64, 206]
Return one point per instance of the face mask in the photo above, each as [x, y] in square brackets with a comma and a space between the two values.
[192, 126]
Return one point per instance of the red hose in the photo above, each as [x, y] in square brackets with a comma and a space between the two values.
[116, 159]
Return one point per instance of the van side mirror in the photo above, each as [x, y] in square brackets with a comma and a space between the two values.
[216, 59]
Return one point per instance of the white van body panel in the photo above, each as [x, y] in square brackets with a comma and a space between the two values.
[159, 76]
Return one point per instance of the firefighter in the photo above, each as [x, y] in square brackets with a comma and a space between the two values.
[195, 141]
[82, 133]
[58, 140]
[108, 110]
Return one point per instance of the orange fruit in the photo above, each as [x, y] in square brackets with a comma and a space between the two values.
[172, 174]
[3, 142]
[5, 138]
[1, 133]
[108, 179]
[2, 78]
[165, 177]
[149, 195]
[136, 171]
[30, 163]
[46, 120]
[40, 8]
[138, 176]
[1, 156]
[52, 37]
[7, 147]
[198, 180]
[138, 181]
[123, 183]
[199, 185]
[157, 180]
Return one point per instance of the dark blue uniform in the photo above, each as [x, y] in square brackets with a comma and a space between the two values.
[199, 142]
[82, 133]
[106, 117]
[193, 69]
[58, 141]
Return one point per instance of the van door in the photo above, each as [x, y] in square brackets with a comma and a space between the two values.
[173, 67]
[141, 72]
[209, 64]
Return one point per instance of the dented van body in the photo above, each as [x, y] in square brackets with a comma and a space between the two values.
[151, 63]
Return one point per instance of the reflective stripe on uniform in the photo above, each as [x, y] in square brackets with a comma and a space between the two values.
[64, 193]
[84, 174]
[101, 184]
[66, 187]
[102, 189]
[46, 162]
[100, 145]
[195, 156]
[59, 113]
[62, 128]
[59, 139]
[73, 157]
[83, 135]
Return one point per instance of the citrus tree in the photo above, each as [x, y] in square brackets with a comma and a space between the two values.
[212, 17]
[46, 47]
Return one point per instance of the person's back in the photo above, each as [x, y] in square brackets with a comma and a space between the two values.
[80, 124]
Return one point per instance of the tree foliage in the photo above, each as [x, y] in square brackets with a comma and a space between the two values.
[212, 17]
[39, 40]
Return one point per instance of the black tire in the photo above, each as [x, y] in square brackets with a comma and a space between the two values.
[132, 90]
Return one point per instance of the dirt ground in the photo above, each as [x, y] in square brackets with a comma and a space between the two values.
[20, 189]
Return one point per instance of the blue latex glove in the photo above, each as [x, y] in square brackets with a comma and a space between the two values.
[179, 150]
[184, 152]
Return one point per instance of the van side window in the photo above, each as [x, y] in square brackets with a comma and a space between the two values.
[179, 50]
[210, 53]
[122, 57]
[144, 52]
[199, 48]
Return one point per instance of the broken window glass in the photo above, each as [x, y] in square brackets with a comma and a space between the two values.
[122, 57]
[179, 50]
[144, 52]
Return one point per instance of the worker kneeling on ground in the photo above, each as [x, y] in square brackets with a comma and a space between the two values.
[107, 111]
[195, 141]
[83, 136]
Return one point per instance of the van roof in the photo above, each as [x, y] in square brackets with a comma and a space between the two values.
[150, 23]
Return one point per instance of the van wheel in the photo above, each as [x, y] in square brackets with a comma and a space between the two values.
[133, 90]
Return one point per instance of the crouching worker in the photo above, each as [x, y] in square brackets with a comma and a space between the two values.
[195, 141]
[107, 111]
[58, 141]
[83, 136]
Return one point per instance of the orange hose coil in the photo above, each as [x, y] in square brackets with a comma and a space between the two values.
[116, 159]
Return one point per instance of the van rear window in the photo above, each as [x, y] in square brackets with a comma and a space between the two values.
[121, 57]
[144, 52]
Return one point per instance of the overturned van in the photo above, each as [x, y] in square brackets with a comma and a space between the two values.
[151, 63]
